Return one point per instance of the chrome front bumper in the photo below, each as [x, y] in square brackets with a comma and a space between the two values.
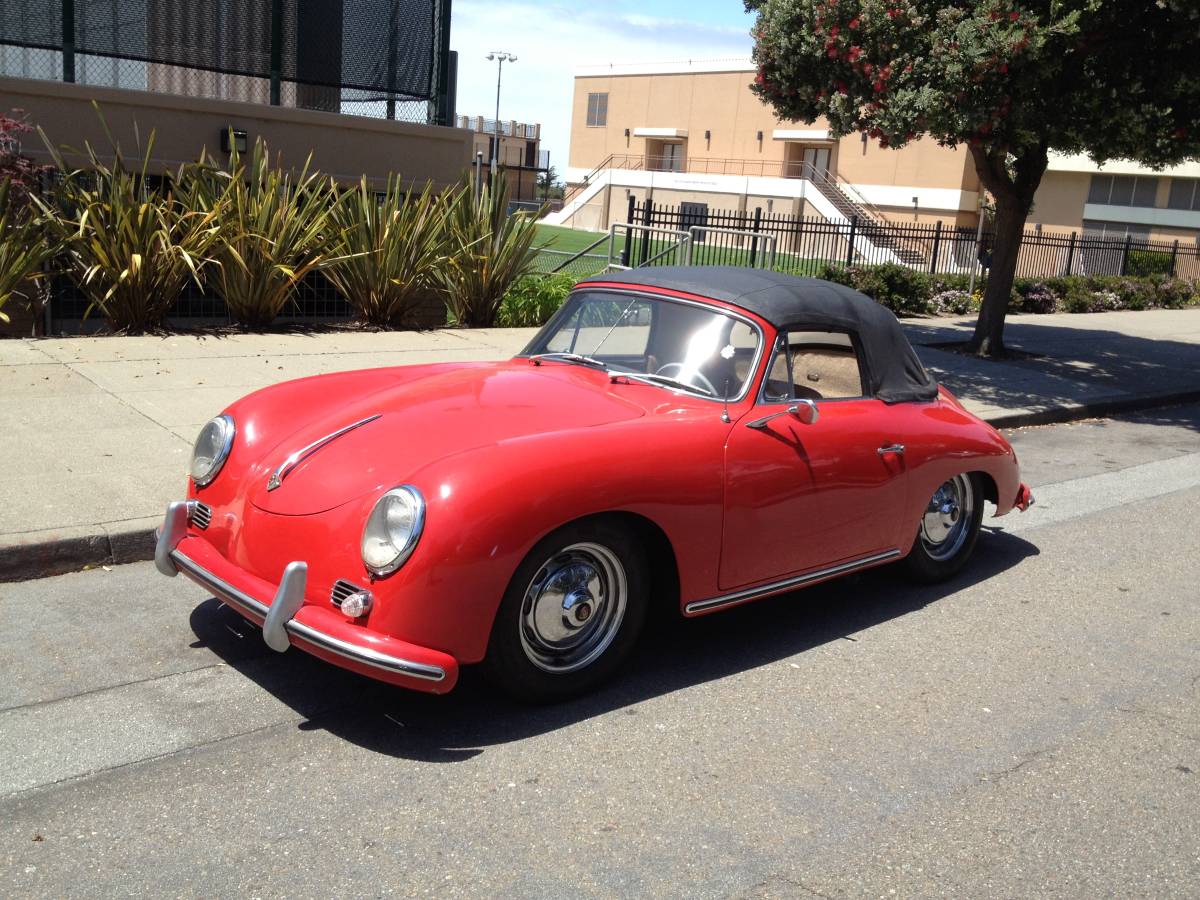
[278, 617]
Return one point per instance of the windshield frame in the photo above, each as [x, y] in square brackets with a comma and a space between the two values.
[751, 378]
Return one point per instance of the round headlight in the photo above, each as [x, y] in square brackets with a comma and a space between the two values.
[393, 529]
[211, 450]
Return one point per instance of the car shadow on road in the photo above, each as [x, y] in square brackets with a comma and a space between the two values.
[674, 655]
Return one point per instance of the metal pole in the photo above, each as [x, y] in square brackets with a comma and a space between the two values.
[391, 64]
[68, 40]
[937, 242]
[754, 240]
[1070, 254]
[978, 239]
[1174, 254]
[1125, 252]
[496, 143]
[478, 173]
[276, 50]
[447, 62]
[850, 249]
[628, 231]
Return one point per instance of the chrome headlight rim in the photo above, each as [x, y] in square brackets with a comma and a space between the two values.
[229, 430]
[414, 535]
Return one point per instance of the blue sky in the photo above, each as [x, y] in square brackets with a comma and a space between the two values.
[551, 38]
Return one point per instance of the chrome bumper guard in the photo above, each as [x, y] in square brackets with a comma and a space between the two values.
[278, 618]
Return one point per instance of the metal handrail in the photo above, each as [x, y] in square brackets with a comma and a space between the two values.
[826, 181]
[683, 242]
[856, 200]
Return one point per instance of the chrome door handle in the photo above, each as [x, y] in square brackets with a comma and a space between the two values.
[891, 448]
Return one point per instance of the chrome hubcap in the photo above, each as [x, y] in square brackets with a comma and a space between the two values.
[573, 608]
[947, 518]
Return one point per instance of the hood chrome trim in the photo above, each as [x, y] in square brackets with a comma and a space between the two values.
[299, 456]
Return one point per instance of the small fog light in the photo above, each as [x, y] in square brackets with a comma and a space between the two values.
[357, 604]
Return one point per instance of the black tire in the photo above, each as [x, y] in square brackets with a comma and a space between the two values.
[928, 562]
[525, 656]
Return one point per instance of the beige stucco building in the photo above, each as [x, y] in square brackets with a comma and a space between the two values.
[694, 133]
[515, 147]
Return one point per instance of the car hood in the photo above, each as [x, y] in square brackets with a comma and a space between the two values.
[423, 420]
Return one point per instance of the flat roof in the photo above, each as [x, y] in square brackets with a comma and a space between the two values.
[667, 67]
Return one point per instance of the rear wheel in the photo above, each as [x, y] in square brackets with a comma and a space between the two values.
[571, 614]
[948, 530]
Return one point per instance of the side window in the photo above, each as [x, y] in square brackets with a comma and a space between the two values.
[814, 365]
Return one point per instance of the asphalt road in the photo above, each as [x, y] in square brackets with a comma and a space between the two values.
[1031, 728]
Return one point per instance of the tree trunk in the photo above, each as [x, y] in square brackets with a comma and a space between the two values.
[988, 339]
[1013, 186]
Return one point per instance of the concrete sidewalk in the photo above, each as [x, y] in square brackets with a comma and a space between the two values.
[98, 431]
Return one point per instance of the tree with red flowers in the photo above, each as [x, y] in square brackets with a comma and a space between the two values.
[22, 173]
[1013, 80]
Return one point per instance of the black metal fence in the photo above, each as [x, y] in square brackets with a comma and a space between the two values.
[385, 58]
[804, 244]
[314, 300]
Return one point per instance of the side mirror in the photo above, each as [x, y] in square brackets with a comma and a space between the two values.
[806, 411]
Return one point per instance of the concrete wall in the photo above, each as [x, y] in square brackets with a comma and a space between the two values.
[346, 147]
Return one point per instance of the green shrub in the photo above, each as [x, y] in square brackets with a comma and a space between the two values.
[271, 230]
[1176, 293]
[128, 248]
[902, 290]
[1076, 296]
[836, 274]
[489, 250]
[390, 250]
[1142, 263]
[953, 302]
[1034, 297]
[532, 300]
[24, 247]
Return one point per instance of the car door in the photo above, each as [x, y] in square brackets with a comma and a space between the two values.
[798, 496]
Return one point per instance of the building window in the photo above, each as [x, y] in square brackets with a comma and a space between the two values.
[1184, 194]
[1115, 230]
[1123, 190]
[597, 114]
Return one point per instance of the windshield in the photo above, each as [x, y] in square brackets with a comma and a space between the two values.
[675, 344]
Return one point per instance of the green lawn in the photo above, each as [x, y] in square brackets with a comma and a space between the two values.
[570, 240]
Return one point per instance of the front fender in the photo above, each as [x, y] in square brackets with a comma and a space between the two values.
[488, 507]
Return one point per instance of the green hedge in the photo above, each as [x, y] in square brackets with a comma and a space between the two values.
[532, 300]
[907, 292]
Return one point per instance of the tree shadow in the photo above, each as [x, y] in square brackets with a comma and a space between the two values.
[674, 655]
[1068, 365]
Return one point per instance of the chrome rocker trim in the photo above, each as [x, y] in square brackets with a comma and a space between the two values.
[797, 581]
[278, 621]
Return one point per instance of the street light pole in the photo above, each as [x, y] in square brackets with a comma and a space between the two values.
[501, 58]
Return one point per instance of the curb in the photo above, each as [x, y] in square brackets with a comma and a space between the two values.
[1093, 410]
[51, 556]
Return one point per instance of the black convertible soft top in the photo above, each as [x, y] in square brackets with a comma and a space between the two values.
[787, 302]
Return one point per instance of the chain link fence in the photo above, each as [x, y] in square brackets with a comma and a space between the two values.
[381, 58]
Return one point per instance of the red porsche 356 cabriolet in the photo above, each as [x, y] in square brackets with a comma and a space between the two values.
[695, 437]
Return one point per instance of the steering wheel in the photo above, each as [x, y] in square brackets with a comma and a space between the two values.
[696, 376]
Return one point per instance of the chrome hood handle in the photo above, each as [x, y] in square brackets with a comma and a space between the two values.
[304, 453]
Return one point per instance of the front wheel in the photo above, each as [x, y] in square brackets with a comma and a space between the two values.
[571, 615]
[948, 530]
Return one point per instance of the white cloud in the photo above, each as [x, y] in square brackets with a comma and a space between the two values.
[550, 41]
